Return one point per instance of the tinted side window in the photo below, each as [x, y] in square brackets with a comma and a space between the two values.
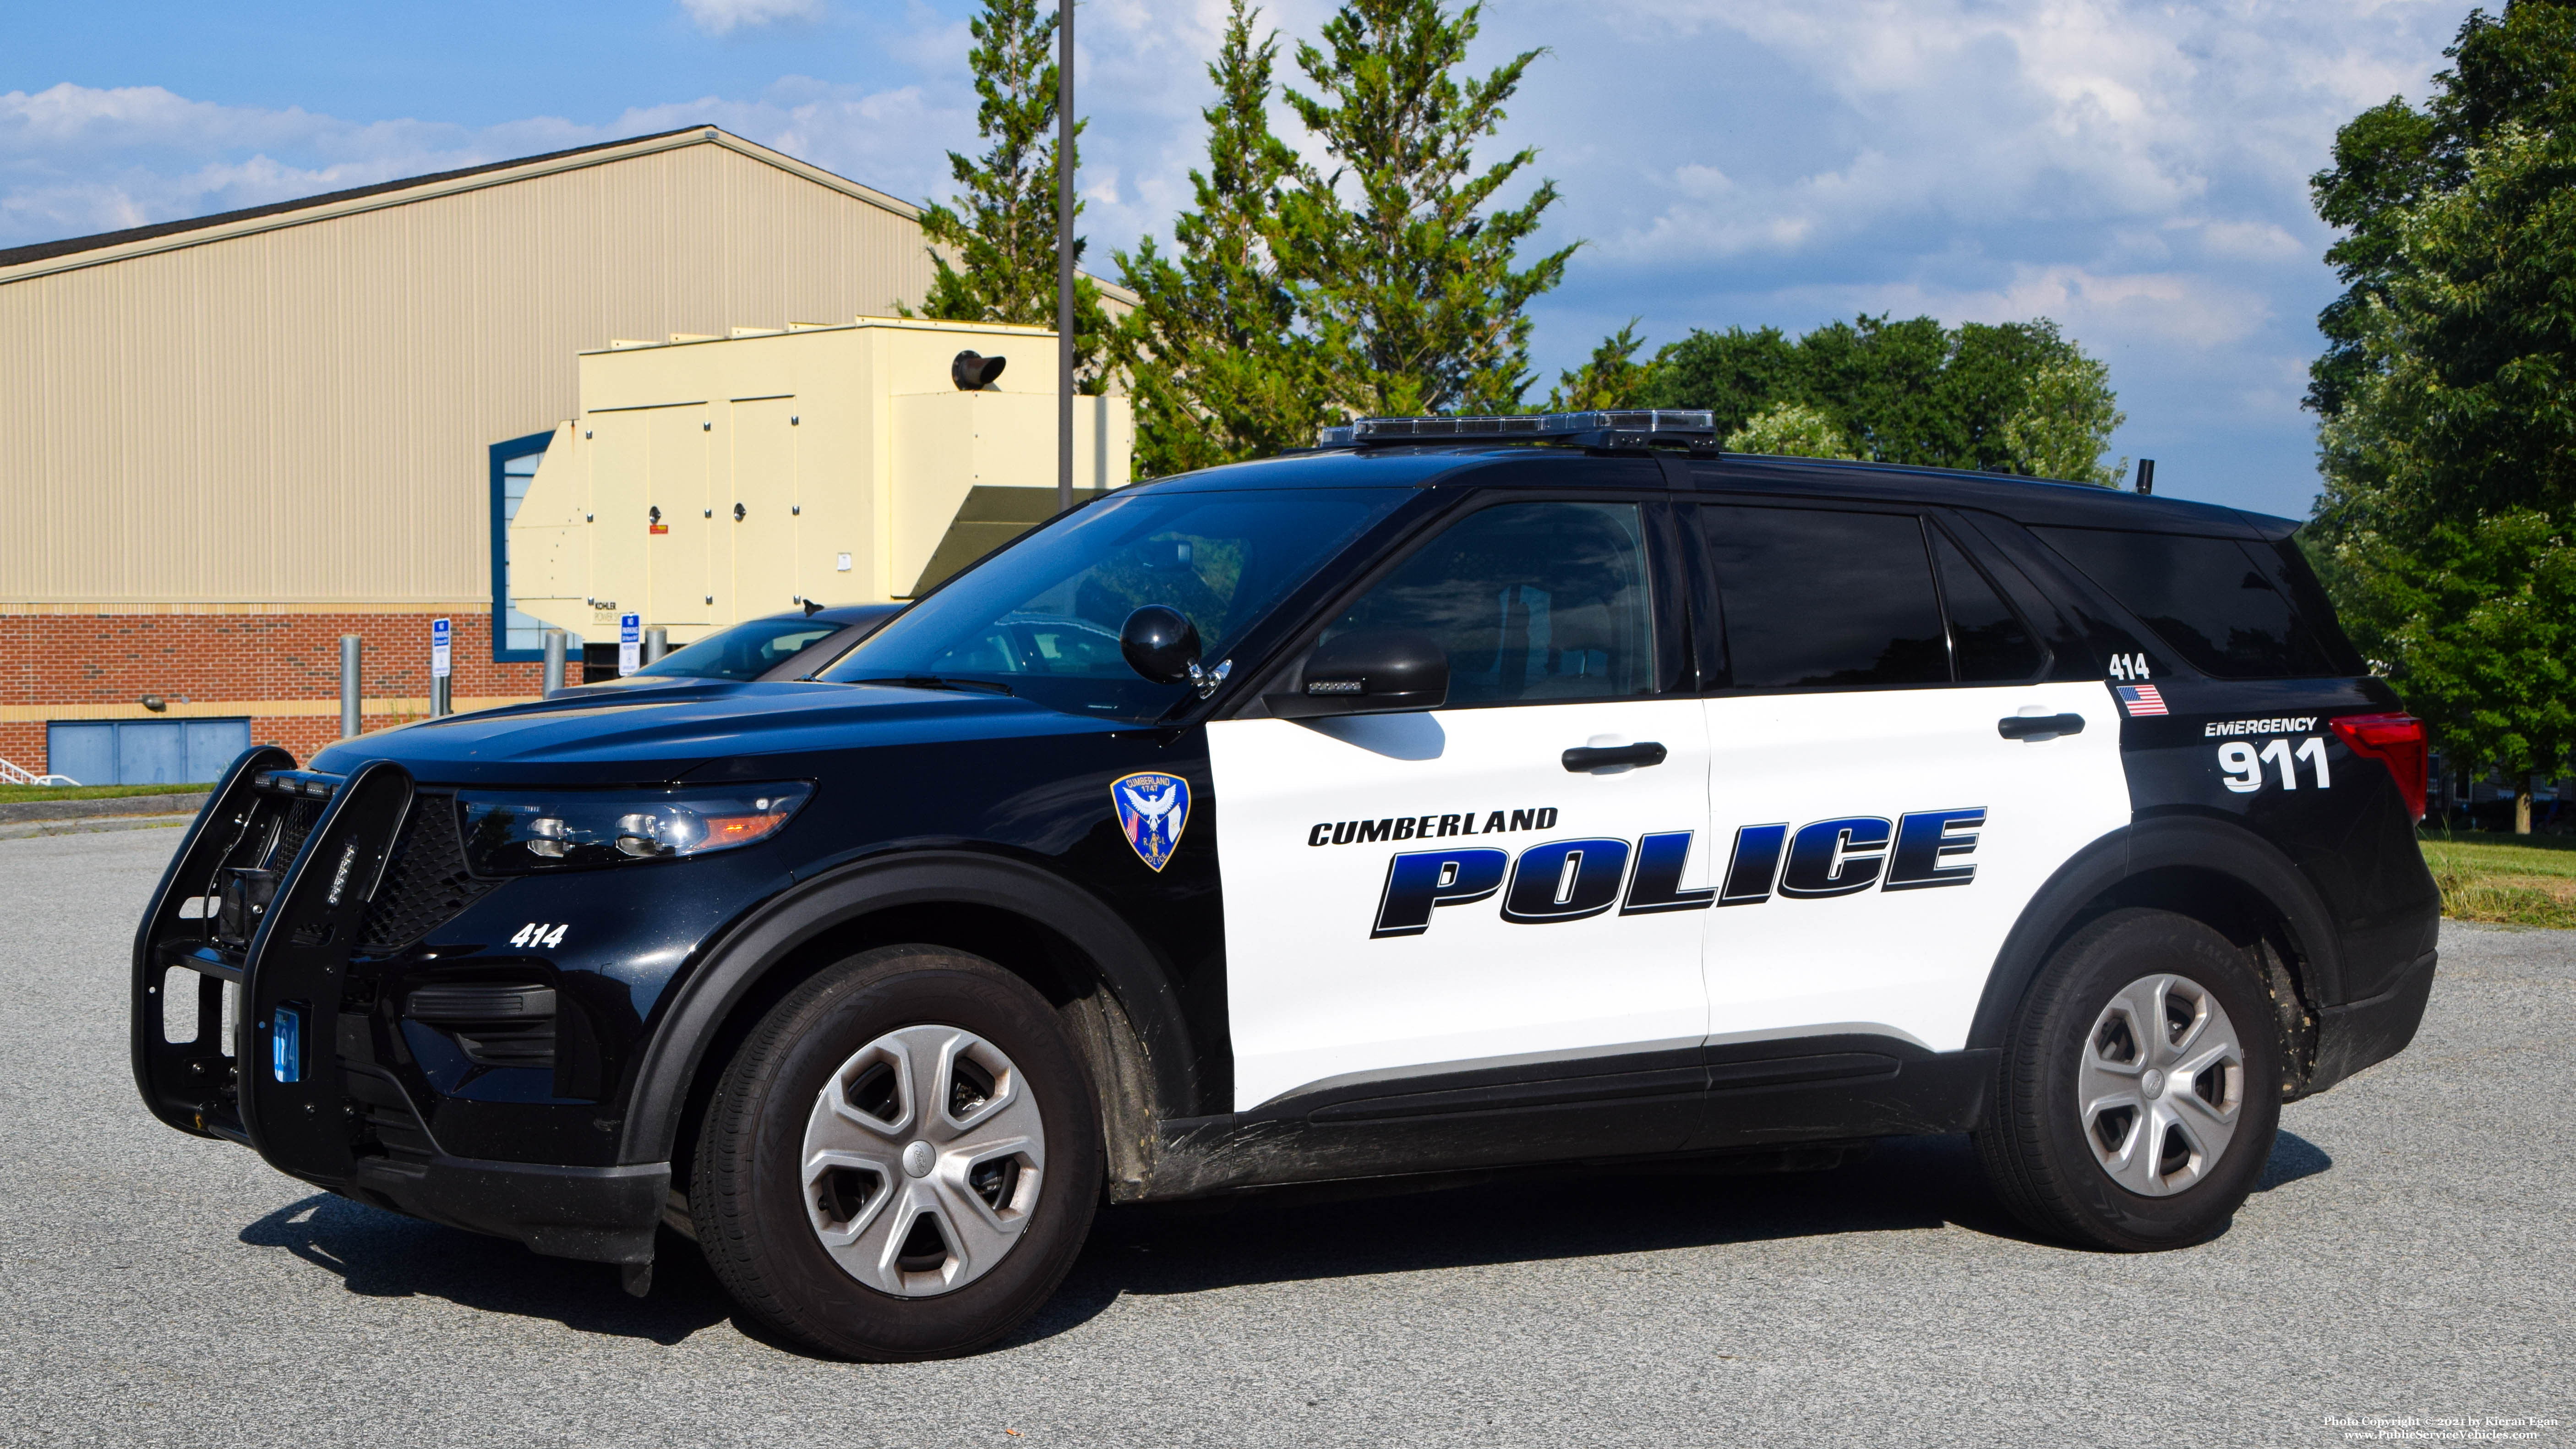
[1533, 601]
[1988, 642]
[1817, 597]
[2212, 600]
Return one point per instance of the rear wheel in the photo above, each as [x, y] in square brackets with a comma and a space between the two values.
[903, 1159]
[2140, 1087]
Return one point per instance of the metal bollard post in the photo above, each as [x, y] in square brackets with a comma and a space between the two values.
[657, 642]
[350, 645]
[441, 697]
[553, 679]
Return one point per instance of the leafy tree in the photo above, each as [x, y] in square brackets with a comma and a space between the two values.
[2063, 420]
[2447, 391]
[996, 262]
[1790, 430]
[2509, 69]
[2011, 398]
[1408, 279]
[1212, 356]
[1611, 378]
[2480, 615]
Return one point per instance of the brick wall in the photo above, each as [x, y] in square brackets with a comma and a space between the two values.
[235, 662]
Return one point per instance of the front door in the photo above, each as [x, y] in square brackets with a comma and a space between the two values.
[1421, 895]
[1882, 829]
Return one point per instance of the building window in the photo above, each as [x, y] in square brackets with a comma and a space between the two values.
[515, 636]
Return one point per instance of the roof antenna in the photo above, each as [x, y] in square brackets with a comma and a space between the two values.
[2146, 476]
[812, 608]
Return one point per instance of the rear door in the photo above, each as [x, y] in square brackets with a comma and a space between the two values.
[1419, 895]
[1891, 776]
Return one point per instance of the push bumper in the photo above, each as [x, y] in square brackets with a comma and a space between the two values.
[2363, 1033]
[286, 1085]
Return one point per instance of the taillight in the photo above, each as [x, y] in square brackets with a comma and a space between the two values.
[2395, 740]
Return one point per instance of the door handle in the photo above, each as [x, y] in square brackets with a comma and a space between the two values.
[1592, 759]
[2039, 726]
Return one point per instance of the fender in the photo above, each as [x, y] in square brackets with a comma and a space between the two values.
[2192, 841]
[706, 997]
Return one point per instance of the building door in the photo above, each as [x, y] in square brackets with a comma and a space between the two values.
[676, 557]
[1881, 834]
[144, 752]
[1412, 894]
[760, 528]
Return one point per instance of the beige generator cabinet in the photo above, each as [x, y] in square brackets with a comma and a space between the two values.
[714, 479]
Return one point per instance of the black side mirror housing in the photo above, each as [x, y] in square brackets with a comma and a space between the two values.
[1161, 644]
[1369, 671]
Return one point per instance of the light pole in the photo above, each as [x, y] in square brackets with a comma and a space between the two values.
[1064, 256]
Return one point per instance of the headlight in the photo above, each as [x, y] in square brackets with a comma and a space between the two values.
[514, 832]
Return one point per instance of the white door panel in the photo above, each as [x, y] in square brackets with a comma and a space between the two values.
[1335, 968]
[1863, 940]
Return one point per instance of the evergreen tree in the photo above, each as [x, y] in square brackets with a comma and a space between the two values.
[1212, 356]
[1408, 280]
[996, 262]
[1611, 378]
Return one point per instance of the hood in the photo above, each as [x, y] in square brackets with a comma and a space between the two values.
[616, 738]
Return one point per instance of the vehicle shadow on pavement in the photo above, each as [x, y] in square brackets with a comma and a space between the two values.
[382, 1255]
[1523, 1216]
[1905, 1184]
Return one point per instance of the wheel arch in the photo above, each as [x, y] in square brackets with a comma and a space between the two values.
[2213, 871]
[1104, 980]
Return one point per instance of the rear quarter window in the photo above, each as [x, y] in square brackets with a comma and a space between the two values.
[2235, 609]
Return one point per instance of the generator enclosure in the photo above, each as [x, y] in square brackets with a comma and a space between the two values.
[714, 479]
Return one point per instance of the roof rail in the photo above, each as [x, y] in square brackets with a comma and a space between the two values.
[1691, 428]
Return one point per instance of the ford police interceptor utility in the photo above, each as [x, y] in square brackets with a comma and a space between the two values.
[1463, 794]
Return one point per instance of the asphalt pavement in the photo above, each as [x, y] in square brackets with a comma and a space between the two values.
[2408, 1258]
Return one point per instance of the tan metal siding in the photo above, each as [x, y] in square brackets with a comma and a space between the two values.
[300, 414]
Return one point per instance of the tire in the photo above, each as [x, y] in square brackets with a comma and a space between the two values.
[828, 1153]
[2104, 1135]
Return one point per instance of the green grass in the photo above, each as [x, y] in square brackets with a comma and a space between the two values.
[12, 794]
[2517, 880]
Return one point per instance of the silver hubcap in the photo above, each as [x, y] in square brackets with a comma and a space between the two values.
[923, 1157]
[2162, 1086]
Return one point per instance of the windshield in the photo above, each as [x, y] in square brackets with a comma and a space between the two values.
[1042, 619]
[745, 651]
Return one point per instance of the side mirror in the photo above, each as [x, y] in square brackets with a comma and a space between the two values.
[1370, 671]
[1161, 644]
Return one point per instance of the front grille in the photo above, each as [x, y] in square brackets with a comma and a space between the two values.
[300, 819]
[427, 885]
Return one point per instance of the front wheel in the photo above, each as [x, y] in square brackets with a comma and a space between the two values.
[903, 1159]
[2140, 1087]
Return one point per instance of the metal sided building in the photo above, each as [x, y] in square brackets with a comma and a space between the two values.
[225, 442]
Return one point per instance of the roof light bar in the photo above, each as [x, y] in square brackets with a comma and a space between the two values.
[1619, 427]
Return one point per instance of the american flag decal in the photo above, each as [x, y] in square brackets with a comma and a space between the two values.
[2140, 699]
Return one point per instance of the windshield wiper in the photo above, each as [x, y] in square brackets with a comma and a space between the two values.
[934, 681]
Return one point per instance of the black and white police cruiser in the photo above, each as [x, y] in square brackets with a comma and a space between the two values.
[1466, 793]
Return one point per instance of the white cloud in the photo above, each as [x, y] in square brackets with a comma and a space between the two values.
[715, 17]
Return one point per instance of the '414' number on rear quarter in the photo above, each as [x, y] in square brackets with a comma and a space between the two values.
[539, 933]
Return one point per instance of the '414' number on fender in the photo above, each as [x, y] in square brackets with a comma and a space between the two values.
[2243, 764]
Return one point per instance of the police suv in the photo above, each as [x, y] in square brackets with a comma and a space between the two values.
[1462, 794]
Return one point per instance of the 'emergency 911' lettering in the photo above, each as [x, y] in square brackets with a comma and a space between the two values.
[1573, 880]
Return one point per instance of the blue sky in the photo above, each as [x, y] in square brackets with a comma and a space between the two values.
[2136, 171]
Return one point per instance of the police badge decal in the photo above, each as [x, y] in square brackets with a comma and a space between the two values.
[1153, 809]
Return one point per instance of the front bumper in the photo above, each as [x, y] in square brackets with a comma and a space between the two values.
[2363, 1033]
[291, 1070]
[598, 1214]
